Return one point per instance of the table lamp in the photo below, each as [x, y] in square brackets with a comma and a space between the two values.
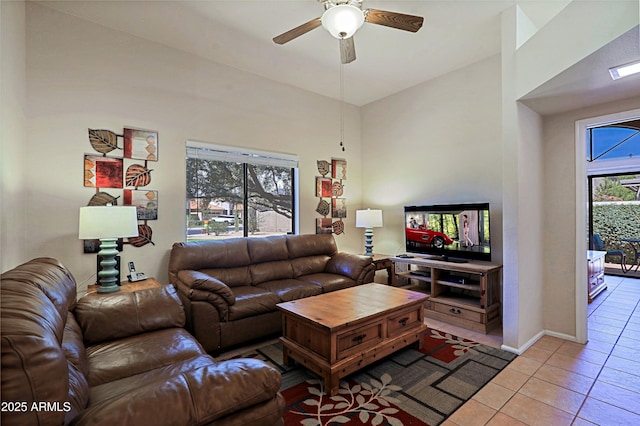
[368, 219]
[107, 224]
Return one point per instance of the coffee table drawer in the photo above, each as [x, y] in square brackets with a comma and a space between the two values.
[355, 340]
[403, 321]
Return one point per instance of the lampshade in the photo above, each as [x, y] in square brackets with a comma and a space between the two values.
[100, 222]
[343, 20]
[368, 218]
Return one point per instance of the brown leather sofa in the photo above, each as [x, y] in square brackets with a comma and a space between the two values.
[230, 288]
[122, 359]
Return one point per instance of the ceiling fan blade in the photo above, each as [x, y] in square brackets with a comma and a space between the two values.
[394, 20]
[297, 31]
[347, 50]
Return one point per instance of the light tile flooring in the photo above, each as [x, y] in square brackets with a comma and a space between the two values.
[557, 382]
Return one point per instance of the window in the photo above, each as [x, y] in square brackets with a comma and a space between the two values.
[613, 148]
[235, 192]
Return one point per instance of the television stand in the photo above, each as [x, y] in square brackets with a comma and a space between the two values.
[464, 294]
[448, 259]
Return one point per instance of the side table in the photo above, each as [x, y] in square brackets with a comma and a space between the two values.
[383, 261]
[125, 287]
[595, 273]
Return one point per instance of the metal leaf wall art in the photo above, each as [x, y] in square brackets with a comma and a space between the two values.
[138, 175]
[324, 167]
[102, 199]
[324, 208]
[144, 236]
[330, 185]
[106, 171]
[103, 141]
[338, 227]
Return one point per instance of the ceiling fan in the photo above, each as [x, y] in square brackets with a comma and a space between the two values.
[342, 18]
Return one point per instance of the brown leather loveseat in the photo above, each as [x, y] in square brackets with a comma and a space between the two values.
[230, 288]
[122, 359]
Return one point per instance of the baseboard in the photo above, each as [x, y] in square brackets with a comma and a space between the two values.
[561, 336]
[520, 350]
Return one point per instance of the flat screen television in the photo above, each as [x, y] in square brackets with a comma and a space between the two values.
[450, 232]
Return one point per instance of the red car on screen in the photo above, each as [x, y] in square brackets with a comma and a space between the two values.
[421, 236]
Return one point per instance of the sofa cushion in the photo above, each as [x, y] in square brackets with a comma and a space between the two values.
[196, 280]
[199, 255]
[50, 277]
[73, 345]
[270, 271]
[291, 289]
[251, 301]
[232, 277]
[347, 264]
[113, 360]
[137, 312]
[194, 397]
[125, 385]
[328, 282]
[268, 249]
[78, 397]
[32, 331]
[309, 265]
[311, 245]
[75, 352]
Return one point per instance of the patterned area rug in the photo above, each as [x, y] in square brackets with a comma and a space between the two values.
[409, 387]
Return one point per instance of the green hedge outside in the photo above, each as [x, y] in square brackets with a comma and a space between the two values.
[614, 221]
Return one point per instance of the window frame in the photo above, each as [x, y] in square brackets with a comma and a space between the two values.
[246, 156]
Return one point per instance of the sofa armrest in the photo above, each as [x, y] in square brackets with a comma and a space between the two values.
[354, 266]
[199, 396]
[199, 281]
[126, 314]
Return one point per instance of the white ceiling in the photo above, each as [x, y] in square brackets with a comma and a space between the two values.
[239, 33]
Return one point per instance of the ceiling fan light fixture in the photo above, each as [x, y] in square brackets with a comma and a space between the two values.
[342, 20]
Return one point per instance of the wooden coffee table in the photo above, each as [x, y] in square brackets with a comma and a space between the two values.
[338, 333]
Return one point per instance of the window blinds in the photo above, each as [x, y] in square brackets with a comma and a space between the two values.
[207, 151]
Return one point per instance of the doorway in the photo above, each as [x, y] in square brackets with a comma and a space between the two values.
[593, 161]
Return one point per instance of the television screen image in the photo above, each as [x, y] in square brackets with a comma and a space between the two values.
[449, 231]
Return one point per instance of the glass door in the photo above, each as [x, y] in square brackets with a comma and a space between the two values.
[613, 169]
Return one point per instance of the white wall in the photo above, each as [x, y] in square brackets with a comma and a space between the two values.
[531, 212]
[522, 174]
[12, 135]
[438, 142]
[81, 75]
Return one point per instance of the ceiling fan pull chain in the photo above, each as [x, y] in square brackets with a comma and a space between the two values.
[342, 106]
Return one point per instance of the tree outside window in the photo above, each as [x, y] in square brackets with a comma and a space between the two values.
[229, 198]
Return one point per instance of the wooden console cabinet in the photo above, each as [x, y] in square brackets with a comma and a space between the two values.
[464, 294]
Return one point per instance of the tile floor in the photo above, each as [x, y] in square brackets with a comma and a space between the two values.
[557, 382]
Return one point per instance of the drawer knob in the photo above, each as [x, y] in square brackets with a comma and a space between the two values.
[403, 321]
[455, 311]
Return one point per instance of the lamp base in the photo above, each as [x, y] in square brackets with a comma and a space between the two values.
[368, 242]
[107, 276]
